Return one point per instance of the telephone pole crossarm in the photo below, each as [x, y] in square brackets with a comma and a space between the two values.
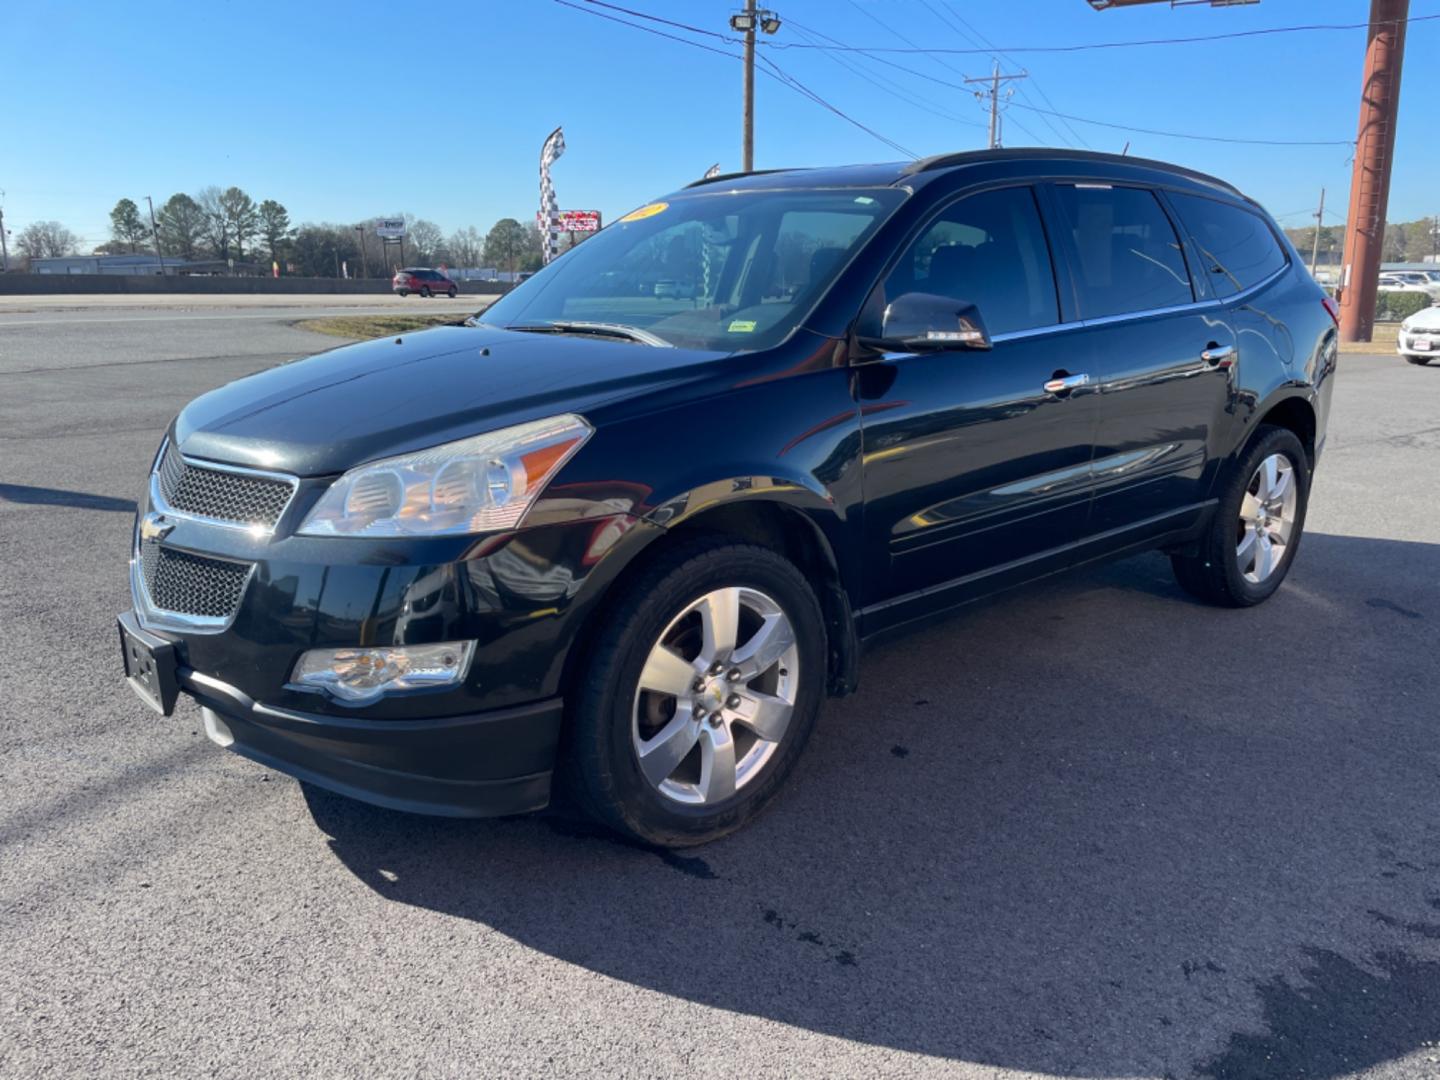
[994, 81]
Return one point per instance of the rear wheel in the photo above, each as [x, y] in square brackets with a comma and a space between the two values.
[1419, 360]
[1250, 543]
[403, 292]
[699, 696]
[425, 291]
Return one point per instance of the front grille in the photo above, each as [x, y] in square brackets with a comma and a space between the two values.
[187, 584]
[240, 498]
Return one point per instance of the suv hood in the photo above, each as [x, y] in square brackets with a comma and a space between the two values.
[357, 403]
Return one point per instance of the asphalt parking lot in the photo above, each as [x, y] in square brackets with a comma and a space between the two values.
[1089, 829]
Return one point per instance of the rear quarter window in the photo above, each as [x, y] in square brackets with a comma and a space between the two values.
[1237, 248]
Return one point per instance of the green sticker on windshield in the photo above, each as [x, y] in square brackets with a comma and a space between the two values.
[742, 326]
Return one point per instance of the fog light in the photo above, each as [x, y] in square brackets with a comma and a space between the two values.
[356, 676]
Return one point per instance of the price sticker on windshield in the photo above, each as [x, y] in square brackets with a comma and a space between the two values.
[742, 326]
[646, 211]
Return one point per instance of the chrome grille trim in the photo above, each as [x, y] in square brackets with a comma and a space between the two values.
[226, 588]
[184, 487]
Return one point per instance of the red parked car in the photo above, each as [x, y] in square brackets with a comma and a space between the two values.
[422, 280]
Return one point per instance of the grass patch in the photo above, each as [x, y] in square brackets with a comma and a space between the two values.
[1382, 340]
[364, 327]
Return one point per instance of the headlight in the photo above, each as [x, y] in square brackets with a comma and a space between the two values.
[481, 484]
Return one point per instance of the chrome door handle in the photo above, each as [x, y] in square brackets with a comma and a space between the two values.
[1218, 355]
[1064, 384]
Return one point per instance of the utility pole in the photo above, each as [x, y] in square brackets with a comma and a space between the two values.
[4, 248]
[1319, 224]
[155, 232]
[747, 22]
[364, 262]
[995, 80]
[1370, 180]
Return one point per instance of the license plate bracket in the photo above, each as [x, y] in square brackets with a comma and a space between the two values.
[151, 666]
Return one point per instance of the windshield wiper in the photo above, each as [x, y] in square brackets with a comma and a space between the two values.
[600, 329]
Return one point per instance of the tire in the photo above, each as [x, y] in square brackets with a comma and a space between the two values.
[425, 292]
[1419, 361]
[403, 293]
[1219, 573]
[451, 294]
[613, 714]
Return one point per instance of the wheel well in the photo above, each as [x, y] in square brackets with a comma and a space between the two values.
[1296, 415]
[783, 530]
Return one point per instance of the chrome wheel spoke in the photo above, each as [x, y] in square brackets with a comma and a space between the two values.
[1269, 478]
[1281, 487]
[717, 764]
[720, 620]
[1264, 556]
[765, 647]
[765, 714]
[667, 671]
[1245, 552]
[662, 755]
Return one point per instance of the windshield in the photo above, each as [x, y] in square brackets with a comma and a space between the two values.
[711, 270]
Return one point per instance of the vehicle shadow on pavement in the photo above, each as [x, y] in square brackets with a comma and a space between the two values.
[1090, 829]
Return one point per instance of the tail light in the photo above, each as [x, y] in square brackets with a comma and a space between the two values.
[1333, 308]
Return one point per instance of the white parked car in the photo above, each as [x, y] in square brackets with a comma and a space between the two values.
[1419, 337]
[1409, 281]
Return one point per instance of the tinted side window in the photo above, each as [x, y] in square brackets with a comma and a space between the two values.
[988, 250]
[1237, 247]
[1128, 254]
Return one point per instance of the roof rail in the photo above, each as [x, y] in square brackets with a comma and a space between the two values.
[733, 176]
[974, 157]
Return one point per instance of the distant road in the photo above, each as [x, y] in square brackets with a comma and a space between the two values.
[238, 303]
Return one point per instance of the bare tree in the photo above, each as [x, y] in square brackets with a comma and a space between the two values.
[46, 240]
[466, 246]
[217, 225]
[425, 239]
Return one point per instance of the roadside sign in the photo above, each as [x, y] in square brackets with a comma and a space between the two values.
[390, 228]
[578, 221]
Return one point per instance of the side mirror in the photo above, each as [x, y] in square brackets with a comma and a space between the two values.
[924, 322]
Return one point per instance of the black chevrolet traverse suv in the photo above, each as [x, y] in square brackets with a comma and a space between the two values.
[622, 542]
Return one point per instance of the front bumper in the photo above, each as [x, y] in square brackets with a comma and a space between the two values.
[476, 765]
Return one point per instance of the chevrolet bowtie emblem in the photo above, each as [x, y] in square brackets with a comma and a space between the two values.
[155, 527]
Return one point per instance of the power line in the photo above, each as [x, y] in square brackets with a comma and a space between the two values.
[978, 38]
[796, 84]
[1124, 127]
[1097, 44]
[880, 82]
[775, 72]
[1184, 135]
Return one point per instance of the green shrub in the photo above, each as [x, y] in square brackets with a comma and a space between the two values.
[1395, 306]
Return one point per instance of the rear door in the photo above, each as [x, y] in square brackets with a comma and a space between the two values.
[1163, 357]
[974, 473]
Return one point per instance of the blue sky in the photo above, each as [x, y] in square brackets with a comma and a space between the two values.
[346, 110]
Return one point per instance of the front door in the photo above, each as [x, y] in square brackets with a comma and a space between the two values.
[975, 474]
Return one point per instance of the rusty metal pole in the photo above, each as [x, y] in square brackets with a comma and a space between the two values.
[1370, 182]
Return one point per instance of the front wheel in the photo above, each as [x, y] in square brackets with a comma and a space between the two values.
[1418, 360]
[699, 695]
[451, 293]
[403, 293]
[1248, 547]
[425, 293]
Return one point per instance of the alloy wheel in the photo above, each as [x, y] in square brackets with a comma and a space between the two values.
[1267, 519]
[715, 696]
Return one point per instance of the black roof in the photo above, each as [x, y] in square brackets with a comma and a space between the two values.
[908, 172]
